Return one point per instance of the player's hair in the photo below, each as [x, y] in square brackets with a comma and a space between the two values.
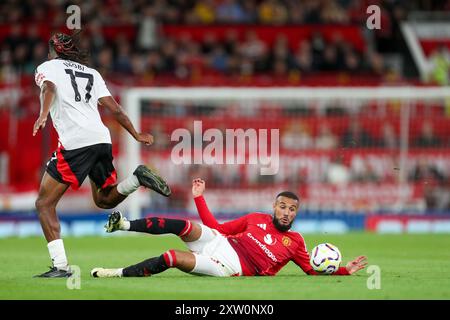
[288, 194]
[67, 47]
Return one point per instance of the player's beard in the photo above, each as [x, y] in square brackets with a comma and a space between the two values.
[279, 226]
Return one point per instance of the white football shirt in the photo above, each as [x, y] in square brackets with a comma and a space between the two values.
[74, 111]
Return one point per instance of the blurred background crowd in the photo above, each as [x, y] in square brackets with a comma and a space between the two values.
[149, 51]
[256, 43]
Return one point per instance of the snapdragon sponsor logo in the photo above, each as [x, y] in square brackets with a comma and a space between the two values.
[263, 247]
[229, 147]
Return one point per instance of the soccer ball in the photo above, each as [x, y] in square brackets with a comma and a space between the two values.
[325, 258]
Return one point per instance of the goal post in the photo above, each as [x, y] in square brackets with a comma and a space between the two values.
[318, 98]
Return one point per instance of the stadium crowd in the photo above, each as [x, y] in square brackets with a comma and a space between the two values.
[154, 53]
[148, 52]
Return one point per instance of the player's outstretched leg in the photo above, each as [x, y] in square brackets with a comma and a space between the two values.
[185, 229]
[109, 197]
[182, 260]
[151, 180]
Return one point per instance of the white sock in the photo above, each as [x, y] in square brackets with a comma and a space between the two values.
[58, 254]
[125, 225]
[128, 186]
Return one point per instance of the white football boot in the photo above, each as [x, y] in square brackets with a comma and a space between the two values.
[106, 273]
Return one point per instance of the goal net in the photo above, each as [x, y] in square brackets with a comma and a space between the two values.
[341, 149]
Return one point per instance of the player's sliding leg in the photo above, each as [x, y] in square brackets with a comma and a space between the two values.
[111, 196]
[193, 262]
[182, 260]
[188, 231]
[50, 192]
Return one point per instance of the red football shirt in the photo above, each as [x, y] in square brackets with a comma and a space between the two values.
[262, 249]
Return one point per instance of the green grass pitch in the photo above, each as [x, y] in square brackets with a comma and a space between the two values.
[412, 267]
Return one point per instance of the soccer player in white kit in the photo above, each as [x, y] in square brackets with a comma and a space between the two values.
[71, 92]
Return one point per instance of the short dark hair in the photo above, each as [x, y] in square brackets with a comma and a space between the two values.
[288, 194]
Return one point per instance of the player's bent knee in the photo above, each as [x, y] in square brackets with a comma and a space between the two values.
[183, 260]
[193, 234]
[102, 204]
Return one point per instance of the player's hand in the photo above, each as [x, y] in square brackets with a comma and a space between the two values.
[40, 123]
[356, 265]
[198, 187]
[145, 138]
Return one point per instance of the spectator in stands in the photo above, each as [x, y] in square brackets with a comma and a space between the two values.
[32, 40]
[209, 43]
[351, 62]
[253, 52]
[231, 42]
[154, 63]
[333, 13]
[104, 63]
[329, 60]
[7, 72]
[356, 136]
[138, 67]
[251, 11]
[303, 58]
[425, 171]
[297, 136]
[280, 53]
[362, 171]
[20, 61]
[39, 55]
[273, 12]
[205, 11]
[122, 62]
[252, 47]
[338, 173]
[389, 138]
[312, 12]
[376, 64]
[427, 138]
[440, 60]
[14, 38]
[148, 34]
[296, 13]
[97, 40]
[325, 139]
[163, 140]
[169, 55]
[218, 59]
[230, 11]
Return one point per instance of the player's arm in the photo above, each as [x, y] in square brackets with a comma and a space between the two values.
[302, 259]
[227, 228]
[47, 96]
[120, 115]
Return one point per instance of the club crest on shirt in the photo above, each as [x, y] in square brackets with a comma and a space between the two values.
[286, 241]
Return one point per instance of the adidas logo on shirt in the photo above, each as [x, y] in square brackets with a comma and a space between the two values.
[262, 226]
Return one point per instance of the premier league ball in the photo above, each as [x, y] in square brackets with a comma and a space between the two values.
[325, 258]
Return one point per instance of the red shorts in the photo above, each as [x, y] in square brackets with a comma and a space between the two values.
[73, 166]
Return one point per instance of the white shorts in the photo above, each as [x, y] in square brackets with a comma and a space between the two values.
[214, 256]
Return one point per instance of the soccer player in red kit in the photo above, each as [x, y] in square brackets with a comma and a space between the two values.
[256, 244]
